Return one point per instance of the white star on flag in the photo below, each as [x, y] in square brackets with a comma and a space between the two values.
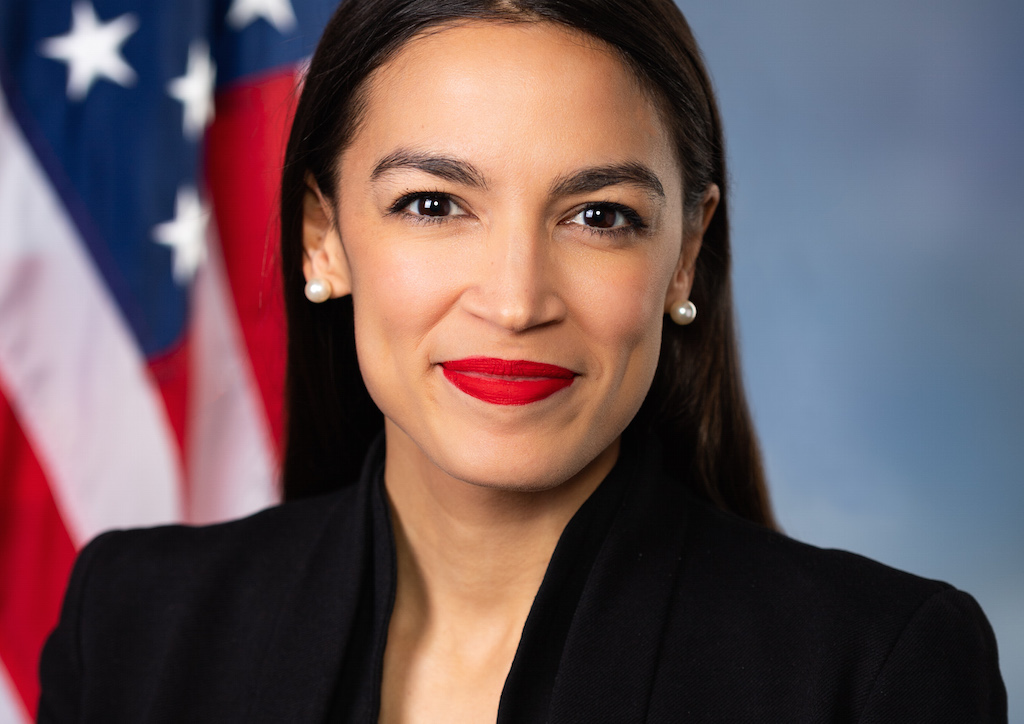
[195, 90]
[92, 49]
[278, 13]
[185, 234]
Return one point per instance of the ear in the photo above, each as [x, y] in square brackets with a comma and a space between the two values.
[323, 255]
[682, 280]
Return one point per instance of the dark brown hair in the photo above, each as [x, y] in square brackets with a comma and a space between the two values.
[696, 404]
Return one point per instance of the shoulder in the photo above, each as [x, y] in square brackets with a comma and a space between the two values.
[740, 553]
[143, 603]
[832, 629]
[256, 545]
[769, 573]
[154, 583]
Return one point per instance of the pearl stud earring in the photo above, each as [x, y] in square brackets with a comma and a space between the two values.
[318, 290]
[683, 313]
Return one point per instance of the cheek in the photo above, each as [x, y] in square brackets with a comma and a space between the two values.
[621, 318]
[622, 305]
[400, 289]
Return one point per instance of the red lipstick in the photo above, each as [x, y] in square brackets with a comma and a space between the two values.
[507, 382]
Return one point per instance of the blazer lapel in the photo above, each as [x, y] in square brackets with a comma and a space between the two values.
[611, 651]
[304, 655]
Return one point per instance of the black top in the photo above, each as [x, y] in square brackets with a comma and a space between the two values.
[655, 607]
[527, 692]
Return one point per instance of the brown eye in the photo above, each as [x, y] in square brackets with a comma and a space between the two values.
[428, 205]
[600, 217]
[433, 206]
[608, 217]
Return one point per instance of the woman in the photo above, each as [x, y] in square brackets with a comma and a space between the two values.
[498, 221]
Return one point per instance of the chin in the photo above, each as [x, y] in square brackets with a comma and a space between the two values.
[518, 464]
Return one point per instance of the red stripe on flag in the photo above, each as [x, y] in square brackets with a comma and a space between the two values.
[36, 555]
[251, 126]
[170, 371]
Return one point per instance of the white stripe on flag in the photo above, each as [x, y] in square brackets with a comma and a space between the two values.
[231, 466]
[11, 710]
[77, 382]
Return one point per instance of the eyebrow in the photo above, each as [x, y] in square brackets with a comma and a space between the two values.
[598, 177]
[445, 167]
[461, 172]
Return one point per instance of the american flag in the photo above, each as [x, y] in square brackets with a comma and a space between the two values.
[141, 325]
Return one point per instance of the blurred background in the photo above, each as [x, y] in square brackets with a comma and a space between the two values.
[877, 178]
[877, 162]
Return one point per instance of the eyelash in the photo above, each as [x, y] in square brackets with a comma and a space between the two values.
[636, 223]
[399, 206]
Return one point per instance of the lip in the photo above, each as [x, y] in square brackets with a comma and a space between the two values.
[507, 382]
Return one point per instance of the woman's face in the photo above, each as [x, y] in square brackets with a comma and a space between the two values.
[510, 196]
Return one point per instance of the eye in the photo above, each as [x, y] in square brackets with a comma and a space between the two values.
[430, 205]
[607, 217]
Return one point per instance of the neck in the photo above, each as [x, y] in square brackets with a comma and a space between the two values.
[471, 556]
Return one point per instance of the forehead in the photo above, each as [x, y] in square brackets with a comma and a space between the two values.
[532, 93]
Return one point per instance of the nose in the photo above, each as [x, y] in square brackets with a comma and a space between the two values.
[518, 281]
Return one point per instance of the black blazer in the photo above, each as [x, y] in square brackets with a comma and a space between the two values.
[678, 613]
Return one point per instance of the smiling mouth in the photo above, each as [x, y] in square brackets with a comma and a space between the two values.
[507, 382]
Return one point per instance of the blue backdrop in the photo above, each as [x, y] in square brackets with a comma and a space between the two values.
[877, 162]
